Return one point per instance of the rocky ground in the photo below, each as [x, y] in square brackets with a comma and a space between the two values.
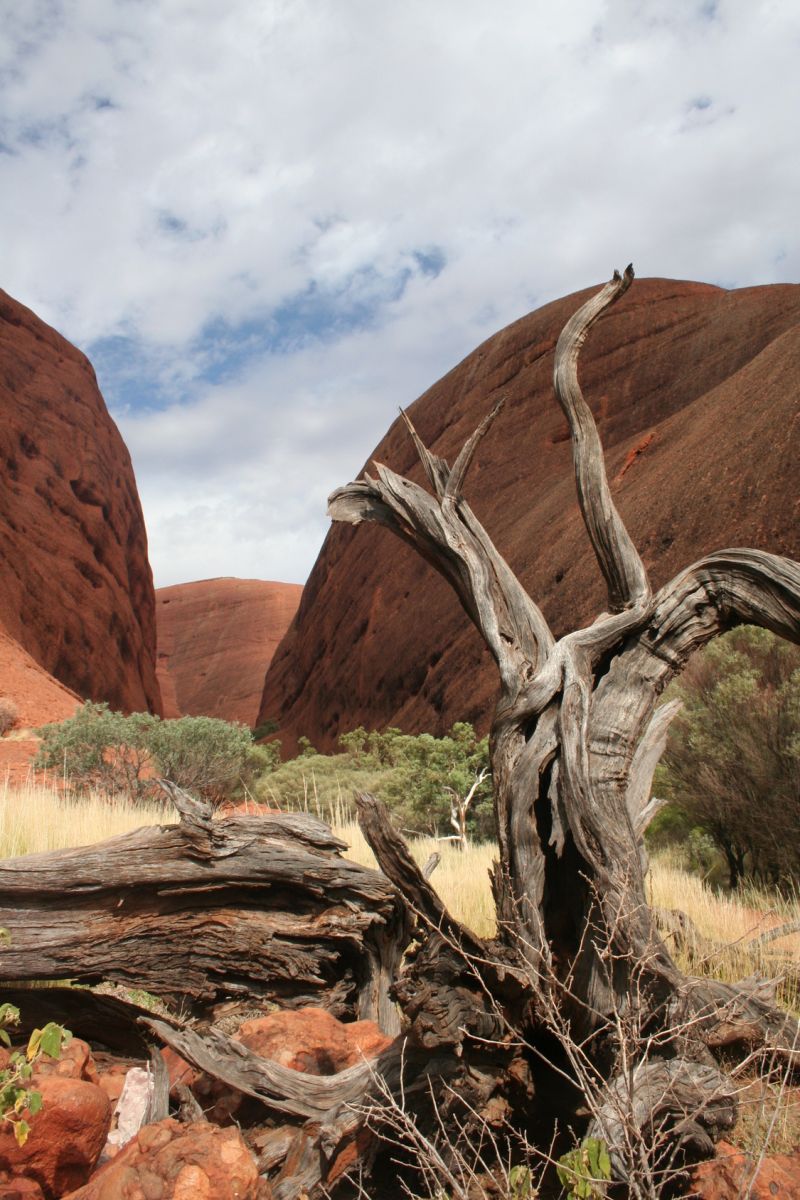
[91, 1139]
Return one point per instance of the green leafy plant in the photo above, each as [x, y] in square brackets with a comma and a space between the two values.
[101, 750]
[520, 1183]
[584, 1171]
[206, 756]
[732, 763]
[433, 785]
[16, 1097]
[438, 785]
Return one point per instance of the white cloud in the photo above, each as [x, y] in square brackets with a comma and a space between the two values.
[275, 172]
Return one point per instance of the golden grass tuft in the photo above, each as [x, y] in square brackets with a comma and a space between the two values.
[461, 878]
[36, 817]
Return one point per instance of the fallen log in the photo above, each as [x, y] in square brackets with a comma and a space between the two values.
[203, 911]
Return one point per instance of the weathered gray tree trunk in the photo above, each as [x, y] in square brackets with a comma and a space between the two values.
[574, 742]
[578, 982]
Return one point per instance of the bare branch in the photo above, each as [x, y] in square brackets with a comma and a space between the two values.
[397, 864]
[641, 807]
[467, 453]
[450, 537]
[436, 468]
[619, 561]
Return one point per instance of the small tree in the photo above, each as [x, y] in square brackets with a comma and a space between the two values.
[732, 762]
[431, 783]
[444, 781]
[99, 750]
[206, 756]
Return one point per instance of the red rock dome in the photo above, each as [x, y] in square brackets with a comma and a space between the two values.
[695, 393]
[216, 639]
[76, 589]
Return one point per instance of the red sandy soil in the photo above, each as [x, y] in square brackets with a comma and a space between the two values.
[39, 699]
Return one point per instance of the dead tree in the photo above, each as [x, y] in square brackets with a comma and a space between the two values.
[578, 976]
[574, 741]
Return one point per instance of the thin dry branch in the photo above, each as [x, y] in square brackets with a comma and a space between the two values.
[619, 561]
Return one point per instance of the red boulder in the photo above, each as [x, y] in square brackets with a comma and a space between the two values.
[66, 1135]
[177, 1162]
[20, 1189]
[732, 1174]
[311, 1040]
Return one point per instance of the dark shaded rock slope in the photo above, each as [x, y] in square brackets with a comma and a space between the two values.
[216, 639]
[76, 590]
[696, 393]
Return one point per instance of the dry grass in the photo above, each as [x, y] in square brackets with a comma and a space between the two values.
[769, 1113]
[732, 924]
[35, 817]
[461, 878]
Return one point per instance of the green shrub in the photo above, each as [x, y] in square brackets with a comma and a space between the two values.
[206, 756]
[732, 763]
[101, 750]
[420, 777]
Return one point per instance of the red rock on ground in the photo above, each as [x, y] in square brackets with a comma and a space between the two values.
[66, 1137]
[312, 1040]
[216, 639]
[20, 1189]
[75, 1062]
[76, 589]
[171, 1161]
[730, 1176]
[694, 390]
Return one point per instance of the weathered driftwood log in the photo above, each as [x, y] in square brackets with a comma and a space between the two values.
[204, 910]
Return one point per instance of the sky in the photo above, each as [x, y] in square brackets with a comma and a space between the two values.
[269, 223]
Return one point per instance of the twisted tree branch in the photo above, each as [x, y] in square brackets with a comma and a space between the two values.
[619, 561]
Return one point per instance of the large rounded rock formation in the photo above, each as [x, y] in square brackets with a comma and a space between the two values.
[695, 394]
[29, 697]
[216, 639]
[76, 590]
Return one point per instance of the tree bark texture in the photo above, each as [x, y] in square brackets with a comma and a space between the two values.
[208, 910]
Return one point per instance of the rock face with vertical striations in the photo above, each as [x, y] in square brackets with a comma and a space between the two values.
[76, 591]
[216, 639]
[696, 396]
